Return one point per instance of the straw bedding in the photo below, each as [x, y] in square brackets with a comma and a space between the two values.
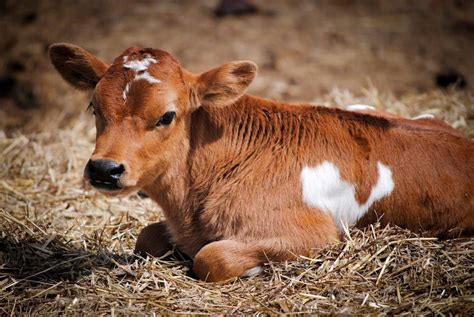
[65, 248]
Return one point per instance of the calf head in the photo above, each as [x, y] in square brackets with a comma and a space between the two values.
[142, 104]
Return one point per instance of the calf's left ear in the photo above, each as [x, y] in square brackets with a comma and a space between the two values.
[76, 65]
[223, 85]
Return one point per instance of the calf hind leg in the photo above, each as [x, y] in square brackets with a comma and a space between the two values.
[222, 260]
[225, 259]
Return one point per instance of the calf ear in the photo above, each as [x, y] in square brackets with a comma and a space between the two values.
[223, 85]
[76, 65]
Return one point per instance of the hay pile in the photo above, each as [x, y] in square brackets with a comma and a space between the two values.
[67, 249]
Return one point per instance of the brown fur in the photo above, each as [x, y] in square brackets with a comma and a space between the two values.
[227, 170]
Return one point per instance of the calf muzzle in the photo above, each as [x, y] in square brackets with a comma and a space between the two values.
[105, 174]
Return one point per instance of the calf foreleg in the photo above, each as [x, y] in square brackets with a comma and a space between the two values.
[154, 240]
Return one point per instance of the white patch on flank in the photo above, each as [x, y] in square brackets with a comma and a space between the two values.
[324, 188]
[140, 67]
[253, 271]
[359, 107]
[424, 116]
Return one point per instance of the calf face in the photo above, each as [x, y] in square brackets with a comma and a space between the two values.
[142, 104]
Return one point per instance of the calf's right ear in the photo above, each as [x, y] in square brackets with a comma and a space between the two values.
[223, 85]
[76, 65]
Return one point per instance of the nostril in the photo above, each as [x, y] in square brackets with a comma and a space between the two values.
[117, 170]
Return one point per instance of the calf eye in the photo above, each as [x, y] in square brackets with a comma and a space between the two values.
[166, 119]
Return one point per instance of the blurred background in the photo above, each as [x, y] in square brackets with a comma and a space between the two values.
[305, 49]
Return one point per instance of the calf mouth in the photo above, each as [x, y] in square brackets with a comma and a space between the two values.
[105, 185]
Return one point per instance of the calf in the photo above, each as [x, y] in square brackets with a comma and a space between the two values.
[244, 180]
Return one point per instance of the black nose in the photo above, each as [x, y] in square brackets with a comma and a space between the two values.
[105, 173]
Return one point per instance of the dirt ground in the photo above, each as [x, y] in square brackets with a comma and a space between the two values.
[66, 249]
[304, 48]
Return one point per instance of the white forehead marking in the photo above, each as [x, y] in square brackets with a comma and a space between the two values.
[147, 77]
[359, 107]
[324, 188]
[125, 91]
[140, 67]
[424, 116]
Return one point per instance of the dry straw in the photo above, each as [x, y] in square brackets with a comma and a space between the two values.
[67, 249]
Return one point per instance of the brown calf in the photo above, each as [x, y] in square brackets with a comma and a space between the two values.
[244, 180]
